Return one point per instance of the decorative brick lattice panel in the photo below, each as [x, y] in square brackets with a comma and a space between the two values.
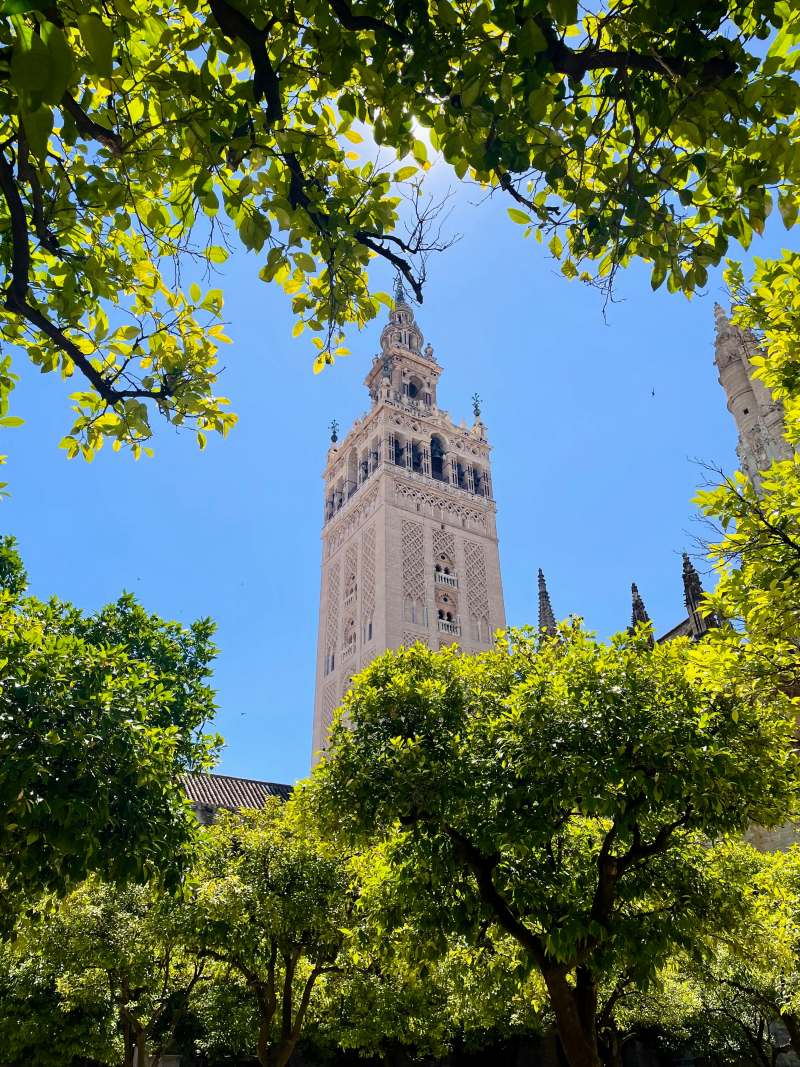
[329, 705]
[368, 573]
[350, 575]
[410, 639]
[477, 591]
[413, 561]
[444, 544]
[332, 621]
[438, 507]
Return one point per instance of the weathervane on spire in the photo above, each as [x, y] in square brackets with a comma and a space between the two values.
[334, 428]
[476, 405]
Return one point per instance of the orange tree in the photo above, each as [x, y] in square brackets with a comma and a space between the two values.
[562, 790]
[137, 137]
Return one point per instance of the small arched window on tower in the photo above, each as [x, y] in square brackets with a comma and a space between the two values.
[349, 637]
[366, 630]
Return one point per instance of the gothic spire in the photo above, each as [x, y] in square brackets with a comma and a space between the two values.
[547, 620]
[692, 586]
[638, 611]
[700, 621]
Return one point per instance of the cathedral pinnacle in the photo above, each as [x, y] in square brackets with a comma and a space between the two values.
[639, 614]
[547, 620]
[476, 405]
[692, 586]
[334, 428]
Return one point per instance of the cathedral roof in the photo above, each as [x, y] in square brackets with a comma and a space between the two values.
[224, 791]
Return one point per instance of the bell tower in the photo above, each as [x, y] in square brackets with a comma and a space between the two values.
[759, 418]
[409, 538]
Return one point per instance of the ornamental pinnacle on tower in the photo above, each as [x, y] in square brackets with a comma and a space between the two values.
[759, 418]
[547, 620]
[409, 538]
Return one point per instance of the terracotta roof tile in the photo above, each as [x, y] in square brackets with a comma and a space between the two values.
[223, 791]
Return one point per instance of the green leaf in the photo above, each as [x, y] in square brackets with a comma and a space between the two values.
[305, 262]
[788, 206]
[217, 254]
[98, 41]
[565, 12]
[530, 40]
[471, 91]
[518, 216]
[59, 57]
[658, 276]
[38, 126]
[405, 173]
[29, 65]
[10, 421]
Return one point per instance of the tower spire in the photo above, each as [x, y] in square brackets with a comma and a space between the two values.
[399, 291]
[639, 611]
[699, 622]
[547, 620]
[639, 614]
[692, 586]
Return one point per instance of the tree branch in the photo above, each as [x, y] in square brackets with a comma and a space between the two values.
[18, 290]
[482, 866]
[89, 128]
[233, 24]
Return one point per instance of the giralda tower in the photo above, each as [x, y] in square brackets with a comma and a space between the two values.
[409, 538]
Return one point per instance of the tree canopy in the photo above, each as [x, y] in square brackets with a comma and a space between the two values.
[562, 790]
[139, 137]
[274, 904]
[101, 713]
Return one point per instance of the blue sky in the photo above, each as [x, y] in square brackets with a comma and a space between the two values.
[593, 474]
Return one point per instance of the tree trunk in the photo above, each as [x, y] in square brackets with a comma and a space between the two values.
[283, 1053]
[141, 1048]
[277, 1055]
[576, 1017]
[262, 1048]
[128, 1041]
[792, 1024]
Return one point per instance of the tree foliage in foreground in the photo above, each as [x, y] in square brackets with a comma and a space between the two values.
[100, 714]
[563, 791]
[733, 996]
[138, 137]
[755, 547]
[274, 905]
[118, 978]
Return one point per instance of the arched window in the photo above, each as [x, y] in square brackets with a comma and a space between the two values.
[438, 449]
[349, 637]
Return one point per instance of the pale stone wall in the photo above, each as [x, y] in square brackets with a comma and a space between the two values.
[388, 521]
[759, 418]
